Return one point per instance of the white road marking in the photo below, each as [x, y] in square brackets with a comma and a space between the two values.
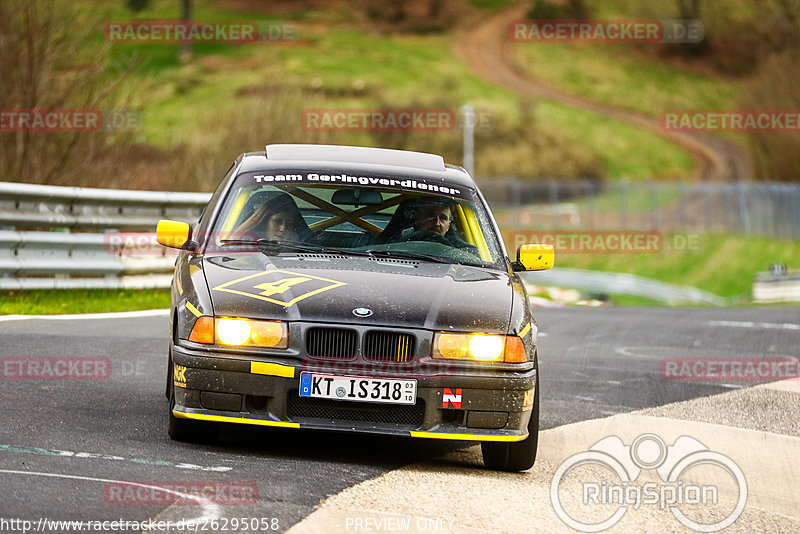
[210, 510]
[626, 351]
[21, 449]
[751, 324]
[79, 316]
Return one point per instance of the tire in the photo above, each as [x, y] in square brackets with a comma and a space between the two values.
[520, 455]
[188, 430]
[168, 389]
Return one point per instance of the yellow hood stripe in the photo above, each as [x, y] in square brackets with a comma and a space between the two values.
[191, 308]
[525, 330]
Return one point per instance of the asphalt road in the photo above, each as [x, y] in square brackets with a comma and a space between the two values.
[66, 445]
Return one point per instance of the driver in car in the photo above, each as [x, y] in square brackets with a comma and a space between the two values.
[432, 216]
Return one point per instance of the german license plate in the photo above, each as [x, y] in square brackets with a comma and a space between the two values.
[384, 390]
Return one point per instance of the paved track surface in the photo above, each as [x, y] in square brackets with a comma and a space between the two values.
[63, 441]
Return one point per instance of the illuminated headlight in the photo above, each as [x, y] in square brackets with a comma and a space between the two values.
[240, 332]
[479, 347]
[233, 331]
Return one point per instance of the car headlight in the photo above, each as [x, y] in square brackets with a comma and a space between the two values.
[479, 347]
[240, 332]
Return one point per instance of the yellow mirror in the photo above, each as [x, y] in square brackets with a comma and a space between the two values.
[173, 234]
[536, 257]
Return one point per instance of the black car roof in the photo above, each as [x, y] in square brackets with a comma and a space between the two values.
[361, 160]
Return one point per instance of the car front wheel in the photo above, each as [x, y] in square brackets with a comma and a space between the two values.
[189, 430]
[520, 455]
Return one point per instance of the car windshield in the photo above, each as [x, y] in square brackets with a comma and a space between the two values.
[351, 219]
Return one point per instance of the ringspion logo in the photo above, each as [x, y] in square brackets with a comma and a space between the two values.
[615, 490]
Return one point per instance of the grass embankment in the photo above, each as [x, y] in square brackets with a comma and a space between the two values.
[639, 77]
[619, 75]
[338, 62]
[48, 302]
[725, 265]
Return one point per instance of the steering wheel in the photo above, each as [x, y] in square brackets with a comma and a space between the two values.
[422, 235]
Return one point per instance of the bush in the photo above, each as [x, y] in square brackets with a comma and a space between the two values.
[520, 148]
[775, 87]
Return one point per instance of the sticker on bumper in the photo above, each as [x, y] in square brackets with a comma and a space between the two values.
[451, 399]
[179, 376]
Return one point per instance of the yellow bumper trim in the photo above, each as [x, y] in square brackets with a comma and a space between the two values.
[465, 437]
[228, 419]
[272, 369]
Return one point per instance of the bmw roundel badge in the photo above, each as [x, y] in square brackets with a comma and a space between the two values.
[362, 312]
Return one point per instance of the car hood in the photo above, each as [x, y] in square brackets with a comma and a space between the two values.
[356, 290]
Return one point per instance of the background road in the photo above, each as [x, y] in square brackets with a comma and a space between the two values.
[486, 49]
[62, 441]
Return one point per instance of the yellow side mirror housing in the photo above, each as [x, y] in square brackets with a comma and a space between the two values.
[536, 257]
[173, 234]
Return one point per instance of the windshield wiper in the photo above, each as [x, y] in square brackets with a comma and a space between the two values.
[407, 255]
[294, 246]
[299, 246]
[285, 244]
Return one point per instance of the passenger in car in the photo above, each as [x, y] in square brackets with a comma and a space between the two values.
[278, 218]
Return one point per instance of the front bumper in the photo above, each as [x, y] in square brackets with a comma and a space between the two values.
[495, 405]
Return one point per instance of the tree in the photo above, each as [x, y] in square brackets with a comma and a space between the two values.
[49, 64]
[186, 17]
[689, 9]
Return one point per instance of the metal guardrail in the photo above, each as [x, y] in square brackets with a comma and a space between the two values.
[754, 208]
[47, 206]
[772, 287]
[32, 258]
